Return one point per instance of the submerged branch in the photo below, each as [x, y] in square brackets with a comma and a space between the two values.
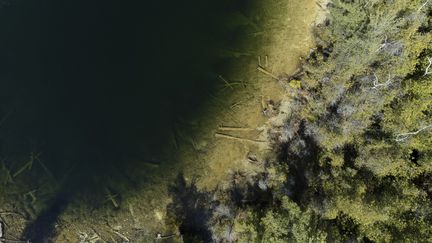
[221, 135]
[261, 69]
[229, 128]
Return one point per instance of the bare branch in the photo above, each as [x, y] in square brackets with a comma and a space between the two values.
[403, 136]
[382, 45]
[385, 84]
[424, 4]
[427, 68]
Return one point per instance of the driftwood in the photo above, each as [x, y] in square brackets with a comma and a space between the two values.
[227, 84]
[111, 197]
[34, 157]
[8, 175]
[297, 74]
[231, 83]
[266, 61]
[261, 69]
[121, 235]
[27, 165]
[32, 195]
[163, 237]
[221, 135]
[229, 128]
[84, 237]
[319, 5]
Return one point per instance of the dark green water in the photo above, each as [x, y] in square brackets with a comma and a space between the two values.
[92, 84]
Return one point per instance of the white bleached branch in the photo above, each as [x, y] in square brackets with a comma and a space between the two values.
[382, 45]
[377, 84]
[424, 4]
[403, 136]
[428, 67]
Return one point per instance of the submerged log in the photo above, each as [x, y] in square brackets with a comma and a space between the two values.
[221, 135]
[261, 69]
[229, 128]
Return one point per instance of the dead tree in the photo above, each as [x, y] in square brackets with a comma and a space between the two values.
[383, 45]
[403, 136]
[377, 84]
[422, 6]
[428, 67]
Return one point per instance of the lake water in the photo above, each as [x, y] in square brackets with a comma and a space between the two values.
[104, 78]
[109, 99]
[89, 85]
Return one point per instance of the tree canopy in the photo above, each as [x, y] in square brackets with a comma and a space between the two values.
[353, 161]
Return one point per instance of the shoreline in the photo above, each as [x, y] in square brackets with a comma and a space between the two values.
[232, 149]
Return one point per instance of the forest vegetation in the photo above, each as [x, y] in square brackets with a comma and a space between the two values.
[352, 161]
